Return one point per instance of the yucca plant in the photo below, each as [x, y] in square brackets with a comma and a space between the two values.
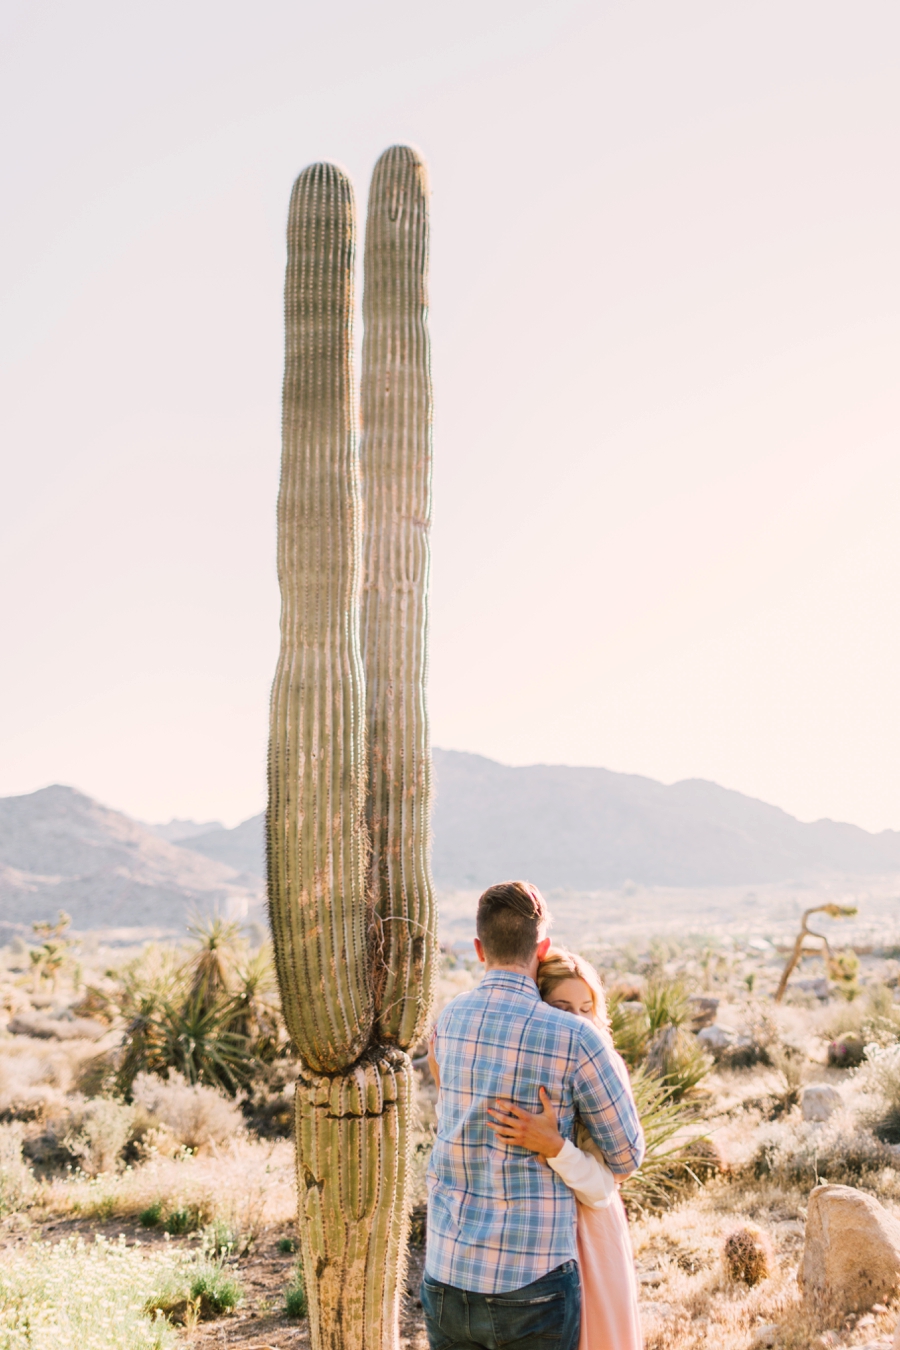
[670, 1145]
[210, 969]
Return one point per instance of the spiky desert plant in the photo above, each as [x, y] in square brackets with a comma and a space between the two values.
[395, 457]
[354, 983]
[747, 1255]
[316, 816]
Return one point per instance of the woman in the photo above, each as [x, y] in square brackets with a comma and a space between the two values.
[609, 1308]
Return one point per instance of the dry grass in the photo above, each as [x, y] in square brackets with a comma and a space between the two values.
[689, 1299]
[247, 1185]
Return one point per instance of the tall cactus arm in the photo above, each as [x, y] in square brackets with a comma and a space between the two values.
[396, 467]
[316, 839]
[352, 1174]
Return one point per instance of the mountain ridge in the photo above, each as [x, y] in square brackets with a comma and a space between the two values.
[566, 828]
[60, 849]
[586, 828]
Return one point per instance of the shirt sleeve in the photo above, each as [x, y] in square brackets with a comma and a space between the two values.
[603, 1096]
[590, 1180]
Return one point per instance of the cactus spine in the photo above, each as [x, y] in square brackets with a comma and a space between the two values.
[395, 457]
[355, 984]
[316, 824]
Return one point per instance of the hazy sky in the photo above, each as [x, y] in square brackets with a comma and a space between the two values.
[666, 345]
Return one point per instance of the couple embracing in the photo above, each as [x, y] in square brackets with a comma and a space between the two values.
[527, 1240]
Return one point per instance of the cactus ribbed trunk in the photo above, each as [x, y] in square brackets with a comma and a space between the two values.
[316, 823]
[353, 943]
[395, 457]
[352, 1166]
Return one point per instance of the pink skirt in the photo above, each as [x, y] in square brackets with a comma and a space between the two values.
[609, 1294]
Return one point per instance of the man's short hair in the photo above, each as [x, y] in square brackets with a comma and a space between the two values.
[509, 919]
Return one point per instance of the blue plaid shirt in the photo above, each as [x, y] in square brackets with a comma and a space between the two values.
[499, 1218]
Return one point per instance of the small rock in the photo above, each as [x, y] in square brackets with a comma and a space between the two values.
[51, 1028]
[852, 1254]
[716, 1038]
[819, 987]
[656, 1310]
[818, 1101]
[651, 1277]
[765, 1337]
[703, 1011]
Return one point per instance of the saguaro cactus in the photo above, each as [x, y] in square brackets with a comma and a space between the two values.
[354, 983]
[352, 1133]
[396, 465]
[315, 824]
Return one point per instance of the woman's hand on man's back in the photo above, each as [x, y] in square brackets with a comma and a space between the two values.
[538, 1132]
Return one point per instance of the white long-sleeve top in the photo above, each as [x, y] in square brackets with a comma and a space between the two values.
[585, 1173]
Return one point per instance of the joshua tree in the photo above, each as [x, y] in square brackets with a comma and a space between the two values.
[799, 951]
[352, 940]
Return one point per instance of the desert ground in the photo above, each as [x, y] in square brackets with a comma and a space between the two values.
[140, 1208]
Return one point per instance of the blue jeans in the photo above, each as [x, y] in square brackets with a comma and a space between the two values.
[544, 1315]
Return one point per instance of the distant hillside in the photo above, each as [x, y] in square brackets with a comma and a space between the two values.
[242, 848]
[176, 831]
[565, 828]
[61, 850]
[586, 829]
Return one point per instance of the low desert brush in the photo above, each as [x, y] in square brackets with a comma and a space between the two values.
[879, 1079]
[84, 1296]
[100, 1130]
[195, 1115]
[17, 1185]
[800, 1153]
[247, 1186]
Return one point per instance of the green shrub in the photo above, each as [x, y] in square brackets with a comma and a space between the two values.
[630, 1027]
[666, 1003]
[678, 1059]
[295, 1296]
[150, 1217]
[184, 1219]
[195, 1291]
[287, 1245]
[217, 1290]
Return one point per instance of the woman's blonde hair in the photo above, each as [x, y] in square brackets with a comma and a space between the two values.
[560, 964]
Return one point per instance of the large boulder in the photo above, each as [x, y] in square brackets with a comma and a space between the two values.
[819, 1101]
[851, 1259]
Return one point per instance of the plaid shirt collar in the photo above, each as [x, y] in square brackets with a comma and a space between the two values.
[513, 980]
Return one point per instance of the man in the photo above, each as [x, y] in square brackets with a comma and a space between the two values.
[500, 1268]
